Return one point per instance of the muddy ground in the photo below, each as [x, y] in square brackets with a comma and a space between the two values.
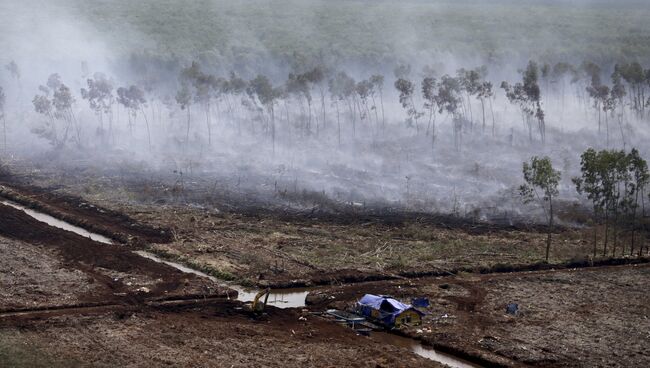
[219, 335]
[594, 317]
[68, 301]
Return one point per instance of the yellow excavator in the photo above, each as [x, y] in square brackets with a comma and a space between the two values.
[258, 306]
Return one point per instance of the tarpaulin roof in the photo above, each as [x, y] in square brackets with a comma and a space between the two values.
[384, 303]
[388, 308]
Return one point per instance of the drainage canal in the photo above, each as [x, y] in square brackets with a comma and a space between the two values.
[284, 298]
[421, 350]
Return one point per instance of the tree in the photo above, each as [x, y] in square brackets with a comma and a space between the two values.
[558, 77]
[484, 92]
[132, 98]
[100, 98]
[429, 89]
[616, 96]
[43, 105]
[378, 82]
[298, 85]
[341, 88]
[527, 95]
[262, 89]
[534, 96]
[448, 101]
[406, 89]
[184, 99]
[470, 82]
[56, 103]
[602, 174]
[591, 183]
[635, 77]
[316, 77]
[204, 85]
[541, 183]
[4, 119]
[640, 177]
[363, 90]
[598, 92]
[235, 86]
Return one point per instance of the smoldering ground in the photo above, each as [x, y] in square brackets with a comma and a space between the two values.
[309, 147]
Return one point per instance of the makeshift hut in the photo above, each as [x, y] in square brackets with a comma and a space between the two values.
[388, 311]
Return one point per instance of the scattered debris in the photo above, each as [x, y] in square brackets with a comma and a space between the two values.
[512, 308]
[420, 302]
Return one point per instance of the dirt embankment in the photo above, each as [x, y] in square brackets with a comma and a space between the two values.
[76, 211]
[102, 272]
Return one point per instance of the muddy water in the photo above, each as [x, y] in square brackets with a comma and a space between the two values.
[421, 350]
[287, 298]
[283, 298]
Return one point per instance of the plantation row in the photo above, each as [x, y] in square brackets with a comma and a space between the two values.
[311, 100]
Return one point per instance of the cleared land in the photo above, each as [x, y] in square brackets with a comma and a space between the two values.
[573, 317]
[597, 317]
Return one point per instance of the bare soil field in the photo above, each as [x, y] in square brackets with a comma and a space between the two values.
[594, 317]
[220, 335]
[70, 302]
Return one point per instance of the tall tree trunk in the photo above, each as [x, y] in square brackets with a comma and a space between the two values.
[208, 124]
[550, 228]
[338, 121]
[606, 230]
[273, 127]
[146, 122]
[187, 134]
[383, 116]
[483, 109]
[492, 111]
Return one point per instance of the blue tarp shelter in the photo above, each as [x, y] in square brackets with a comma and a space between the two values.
[387, 310]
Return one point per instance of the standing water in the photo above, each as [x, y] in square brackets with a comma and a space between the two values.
[421, 350]
[283, 298]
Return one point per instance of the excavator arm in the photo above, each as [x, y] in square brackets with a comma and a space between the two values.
[258, 306]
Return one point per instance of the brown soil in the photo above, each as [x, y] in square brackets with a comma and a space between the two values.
[68, 301]
[214, 336]
[81, 270]
[592, 317]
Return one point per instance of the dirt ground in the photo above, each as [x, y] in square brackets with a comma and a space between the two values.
[594, 317]
[214, 336]
[67, 301]
[72, 287]
[33, 276]
[46, 266]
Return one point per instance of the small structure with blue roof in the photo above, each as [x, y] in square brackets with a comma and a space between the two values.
[388, 311]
